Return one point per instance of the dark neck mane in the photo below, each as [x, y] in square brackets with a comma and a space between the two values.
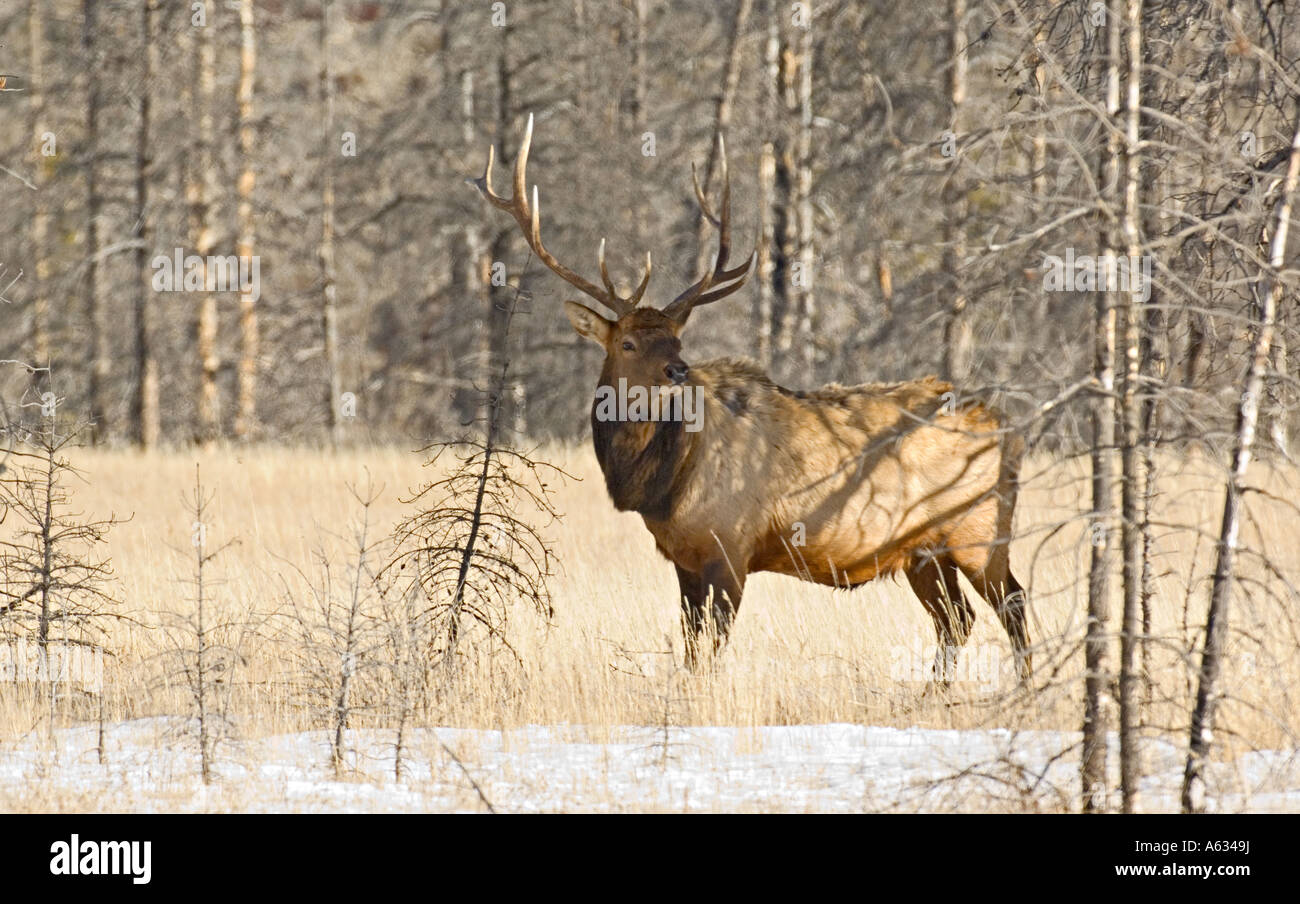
[640, 473]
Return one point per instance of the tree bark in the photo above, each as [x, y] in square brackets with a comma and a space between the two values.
[40, 348]
[957, 338]
[1097, 678]
[1216, 623]
[145, 402]
[807, 231]
[763, 313]
[202, 190]
[1132, 488]
[785, 221]
[329, 289]
[500, 298]
[246, 416]
[100, 363]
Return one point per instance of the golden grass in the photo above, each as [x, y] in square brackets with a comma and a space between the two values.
[799, 654]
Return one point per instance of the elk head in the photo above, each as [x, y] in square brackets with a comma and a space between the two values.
[642, 344]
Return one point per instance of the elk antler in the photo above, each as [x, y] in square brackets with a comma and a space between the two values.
[698, 293]
[526, 215]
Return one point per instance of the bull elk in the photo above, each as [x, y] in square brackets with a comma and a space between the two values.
[838, 485]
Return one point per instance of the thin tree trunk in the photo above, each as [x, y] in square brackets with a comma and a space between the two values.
[145, 402]
[785, 224]
[100, 363]
[1132, 485]
[640, 121]
[1216, 623]
[1154, 369]
[582, 86]
[1097, 680]
[721, 121]
[499, 298]
[40, 348]
[203, 182]
[329, 290]
[1038, 157]
[807, 233]
[1198, 321]
[957, 338]
[473, 268]
[763, 313]
[1280, 395]
[246, 416]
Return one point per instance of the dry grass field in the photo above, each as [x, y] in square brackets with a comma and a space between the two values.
[800, 655]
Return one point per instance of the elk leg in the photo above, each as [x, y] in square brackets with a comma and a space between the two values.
[725, 588]
[710, 601]
[693, 593]
[935, 582]
[999, 586]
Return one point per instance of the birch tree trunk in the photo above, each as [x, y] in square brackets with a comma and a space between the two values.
[499, 298]
[1097, 679]
[145, 402]
[40, 348]
[1216, 623]
[1131, 489]
[763, 313]
[203, 184]
[473, 267]
[246, 416]
[785, 219]
[640, 122]
[807, 232]
[329, 289]
[957, 331]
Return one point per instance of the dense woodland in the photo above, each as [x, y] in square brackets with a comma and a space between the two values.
[904, 178]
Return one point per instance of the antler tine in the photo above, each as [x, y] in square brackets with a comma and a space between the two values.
[528, 216]
[701, 199]
[635, 298]
[698, 293]
[743, 270]
[604, 272]
[521, 165]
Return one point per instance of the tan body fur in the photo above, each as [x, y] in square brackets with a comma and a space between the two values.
[877, 475]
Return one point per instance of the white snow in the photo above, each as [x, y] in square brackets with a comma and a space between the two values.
[152, 765]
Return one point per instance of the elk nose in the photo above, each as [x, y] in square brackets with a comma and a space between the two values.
[676, 372]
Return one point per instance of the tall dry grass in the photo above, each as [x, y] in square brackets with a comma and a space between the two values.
[798, 654]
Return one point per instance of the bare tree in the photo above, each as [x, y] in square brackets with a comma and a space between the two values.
[764, 312]
[338, 634]
[145, 400]
[246, 416]
[1216, 623]
[1132, 487]
[100, 362]
[56, 581]
[328, 275]
[41, 349]
[205, 643]
[471, 548]
[1097, 680]
[807, 297]
[957, 329]
[201, 189]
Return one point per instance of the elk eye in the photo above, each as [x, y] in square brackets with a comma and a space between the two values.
[629, 347]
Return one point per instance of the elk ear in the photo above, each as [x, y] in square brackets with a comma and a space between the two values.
[588, 323]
